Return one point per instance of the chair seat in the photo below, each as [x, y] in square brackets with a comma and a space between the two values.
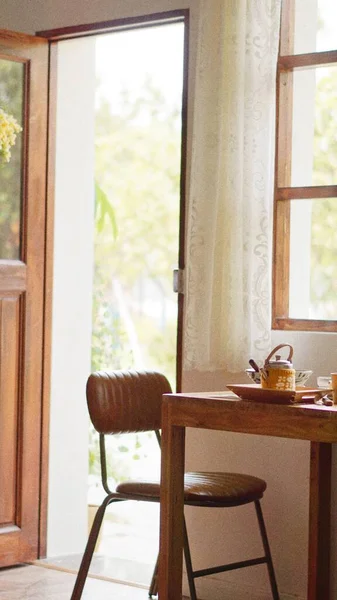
[214, 489]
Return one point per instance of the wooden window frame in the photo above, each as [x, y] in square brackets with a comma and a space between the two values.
[283, 194]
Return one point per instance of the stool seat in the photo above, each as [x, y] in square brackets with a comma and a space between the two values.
[211, 488]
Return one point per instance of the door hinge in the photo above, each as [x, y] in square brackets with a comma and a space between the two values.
[178, 281]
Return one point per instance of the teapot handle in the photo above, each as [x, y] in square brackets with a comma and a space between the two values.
[291, 350]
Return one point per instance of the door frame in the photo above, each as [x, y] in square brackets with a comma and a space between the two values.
[48, 305]
[66, 33]
[53, 37]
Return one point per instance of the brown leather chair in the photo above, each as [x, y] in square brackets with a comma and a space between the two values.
[130, 401]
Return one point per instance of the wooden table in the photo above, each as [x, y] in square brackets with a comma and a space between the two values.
[317, 424]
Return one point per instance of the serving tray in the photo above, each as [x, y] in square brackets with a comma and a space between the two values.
[256, 393]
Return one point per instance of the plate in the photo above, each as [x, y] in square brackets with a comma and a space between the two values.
[256, 393]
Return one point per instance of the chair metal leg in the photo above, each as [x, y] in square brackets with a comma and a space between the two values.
[267, 552]
[153, 590]
[89, 550]
[188, 563]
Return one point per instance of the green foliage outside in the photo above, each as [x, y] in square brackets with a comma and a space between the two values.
[324, 212]
[136, 243]
[137, 166]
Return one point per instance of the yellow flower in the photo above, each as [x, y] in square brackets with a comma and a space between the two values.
[9, 127]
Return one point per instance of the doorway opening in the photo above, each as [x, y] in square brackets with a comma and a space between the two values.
[122, 133]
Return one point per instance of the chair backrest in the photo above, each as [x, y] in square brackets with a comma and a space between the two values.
[126, 401]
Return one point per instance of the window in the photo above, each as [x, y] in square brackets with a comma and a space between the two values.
[305, 207]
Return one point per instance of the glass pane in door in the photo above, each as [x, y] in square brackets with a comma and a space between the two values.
[11, 123]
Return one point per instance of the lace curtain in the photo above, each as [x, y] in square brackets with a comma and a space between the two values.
[228, 266]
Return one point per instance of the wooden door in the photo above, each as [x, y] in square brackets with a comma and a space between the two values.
[23, 94]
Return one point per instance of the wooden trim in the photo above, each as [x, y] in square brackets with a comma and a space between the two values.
[13, 276]
[13, 38]
[310, 60]
[281, 261]
[48, 290]
[34, 250]
[319, 521]
[304, 193]
[24, 159]
[87, 29]
[287, 324]
[284, 129]
[182, 220]
[287, 28]
[283, 148]
[13, 58]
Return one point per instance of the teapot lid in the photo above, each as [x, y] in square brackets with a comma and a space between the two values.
[278, 362]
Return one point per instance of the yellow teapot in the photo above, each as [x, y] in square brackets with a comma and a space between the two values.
[278, 374]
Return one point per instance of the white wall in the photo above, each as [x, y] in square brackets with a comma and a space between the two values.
[284, 463]
[72, 299]
[39, 15]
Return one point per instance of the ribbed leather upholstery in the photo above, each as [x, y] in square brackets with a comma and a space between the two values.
[126, 401]
[213, 489]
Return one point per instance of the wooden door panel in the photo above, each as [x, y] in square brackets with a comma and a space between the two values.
[9, 377]
[22, 268]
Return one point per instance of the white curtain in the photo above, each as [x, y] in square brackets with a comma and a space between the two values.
[228, 263]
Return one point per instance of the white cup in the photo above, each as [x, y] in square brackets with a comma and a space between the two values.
[334, 387]
[324, 382]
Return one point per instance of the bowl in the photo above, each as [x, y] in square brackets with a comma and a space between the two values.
[301, 376]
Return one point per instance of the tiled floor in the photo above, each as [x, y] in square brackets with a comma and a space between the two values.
[116, 571]
[119, 569]
[127, 550]
[34, 582]
[41, 582]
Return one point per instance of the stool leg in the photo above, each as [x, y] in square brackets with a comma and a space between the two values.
[267, 552]
[188, 563]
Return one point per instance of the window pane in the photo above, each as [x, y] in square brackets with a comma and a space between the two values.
[11, 95]
[314, 126]
[313, 259]
[315, 26]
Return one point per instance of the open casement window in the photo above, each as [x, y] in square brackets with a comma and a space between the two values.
[305, 202]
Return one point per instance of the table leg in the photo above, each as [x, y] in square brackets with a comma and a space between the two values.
[171, 508]
[319, 522]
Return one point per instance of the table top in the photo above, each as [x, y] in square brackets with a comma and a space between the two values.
[224, 411]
